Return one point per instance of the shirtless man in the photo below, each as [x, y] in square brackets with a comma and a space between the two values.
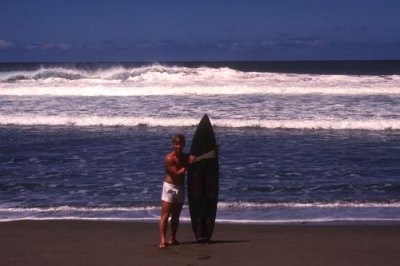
[173, 193]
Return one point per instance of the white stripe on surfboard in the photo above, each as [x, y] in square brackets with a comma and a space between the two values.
[207, 155]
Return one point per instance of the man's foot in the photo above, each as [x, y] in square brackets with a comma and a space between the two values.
[162, 246]
[174, 242]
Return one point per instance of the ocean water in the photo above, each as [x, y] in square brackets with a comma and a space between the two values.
[299, 142]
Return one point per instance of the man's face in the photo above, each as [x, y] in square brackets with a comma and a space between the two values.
[178, 146]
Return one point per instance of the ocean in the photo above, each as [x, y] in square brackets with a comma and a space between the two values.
[299, 142]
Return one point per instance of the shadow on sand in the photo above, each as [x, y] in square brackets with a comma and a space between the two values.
[212, 242]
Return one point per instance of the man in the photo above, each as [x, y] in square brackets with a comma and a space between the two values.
[173, 192]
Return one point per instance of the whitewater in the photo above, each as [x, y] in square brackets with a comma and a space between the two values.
[309, 145]
[142, 95]
[173, 80]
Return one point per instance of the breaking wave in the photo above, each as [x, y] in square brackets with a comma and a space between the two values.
[86, 121]
[178, 80]
[337, 204]
[228, 212]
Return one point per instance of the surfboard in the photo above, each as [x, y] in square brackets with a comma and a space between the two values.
[203, 180]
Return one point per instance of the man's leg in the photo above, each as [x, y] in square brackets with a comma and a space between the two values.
[165, 213]
[176, 209]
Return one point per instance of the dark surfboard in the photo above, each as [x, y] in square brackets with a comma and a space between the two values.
[203, 182]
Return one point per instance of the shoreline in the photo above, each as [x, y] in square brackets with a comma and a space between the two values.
[285, 213]
[186, 221]
[73, 242]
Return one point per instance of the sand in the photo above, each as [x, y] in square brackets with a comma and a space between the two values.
[134, 243]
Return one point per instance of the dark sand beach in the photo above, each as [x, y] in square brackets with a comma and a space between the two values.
[133, 243]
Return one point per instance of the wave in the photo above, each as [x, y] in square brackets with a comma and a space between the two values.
[77, 218]
[138, 213]
[87, 121]
[325, 220]
[297, 205]
[221, 205]
[228, 212]
[78, 209]
[179, 80]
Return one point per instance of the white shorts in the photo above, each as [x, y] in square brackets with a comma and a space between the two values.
[173, 193]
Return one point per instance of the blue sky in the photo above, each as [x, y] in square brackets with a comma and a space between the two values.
[175, 30]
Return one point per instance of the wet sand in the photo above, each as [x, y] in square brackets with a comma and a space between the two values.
[134, 243]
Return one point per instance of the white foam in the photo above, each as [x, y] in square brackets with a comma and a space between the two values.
[93, 121]
[321, 220]
[83, 121]
[78, 209]
[367, 220]
[227, 210]
[169, 80]
[78, 218]
[221, 205]
[312, 220]
[348, 124]
[297, 205]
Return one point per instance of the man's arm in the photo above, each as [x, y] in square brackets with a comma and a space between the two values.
[172, 169]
